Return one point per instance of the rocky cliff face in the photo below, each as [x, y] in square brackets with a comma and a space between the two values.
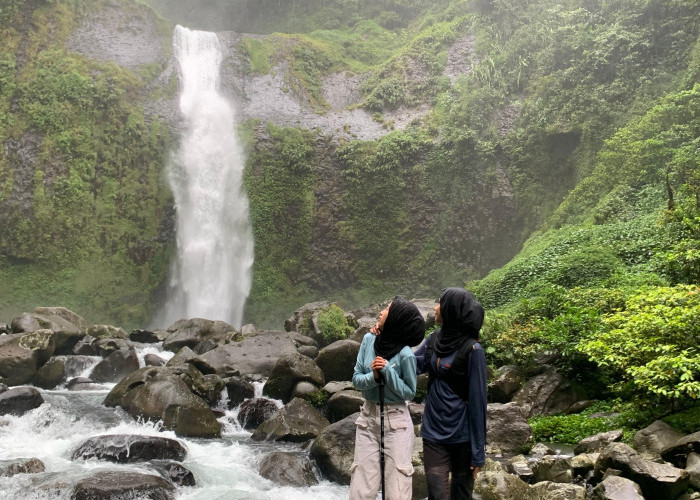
[122, 50]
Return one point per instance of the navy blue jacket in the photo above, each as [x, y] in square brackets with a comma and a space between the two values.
[447, 418]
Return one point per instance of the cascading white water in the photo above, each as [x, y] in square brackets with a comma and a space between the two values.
[211, 276]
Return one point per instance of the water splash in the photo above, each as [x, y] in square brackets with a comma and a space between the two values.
[211, 276]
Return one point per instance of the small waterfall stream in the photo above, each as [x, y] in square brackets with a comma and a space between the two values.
[211, 276]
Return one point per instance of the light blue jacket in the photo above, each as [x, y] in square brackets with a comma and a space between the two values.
[399, 374]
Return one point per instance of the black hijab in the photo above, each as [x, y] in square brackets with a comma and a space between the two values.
[404, 326]
[462, 317]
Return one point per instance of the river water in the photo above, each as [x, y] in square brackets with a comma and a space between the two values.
[224, 469]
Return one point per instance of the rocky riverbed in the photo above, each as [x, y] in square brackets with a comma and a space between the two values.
[203, 410]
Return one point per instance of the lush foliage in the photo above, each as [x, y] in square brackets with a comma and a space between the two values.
[333, 324]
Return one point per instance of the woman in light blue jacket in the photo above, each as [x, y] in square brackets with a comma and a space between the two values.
[386, 356]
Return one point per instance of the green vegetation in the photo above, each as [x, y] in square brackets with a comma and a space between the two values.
[333, 324]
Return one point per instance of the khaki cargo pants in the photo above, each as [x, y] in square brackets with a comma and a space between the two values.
[398, 448]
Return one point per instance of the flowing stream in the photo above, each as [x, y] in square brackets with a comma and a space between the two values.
[224, 469]
[211, 276]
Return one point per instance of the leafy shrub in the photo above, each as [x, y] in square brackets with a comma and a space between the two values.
[587, 266]
[333, 324]
[653, 343]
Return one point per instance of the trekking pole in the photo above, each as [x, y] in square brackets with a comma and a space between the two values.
[381, 429]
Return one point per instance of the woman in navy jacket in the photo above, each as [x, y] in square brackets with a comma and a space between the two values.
[454, 421]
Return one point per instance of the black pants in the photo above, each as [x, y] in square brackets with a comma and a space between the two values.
[441, 459]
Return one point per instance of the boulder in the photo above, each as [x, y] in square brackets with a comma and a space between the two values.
[52, 374]
[175, 472]
[130, 448]
[597, 442]
[18, 365]
[416, 410]
[542, 449]
[254, 412]
[67, 326]
[115, 366]
[287, 469]
[364, 324]
[20, 400]
[548, 490]
[300, 340]
[248, 330]
[617, 488]
[253, 355]
[21, 466]
[107, 346]
[238, 390]
[583, 465]
[210, 388]
[554, 468]
[106, 332]
[333, 450]
[112, 484]
[506, 383]
[190, 332]
[308, 350]
[344, 403]
[693, 469]
[288, 371]
[652, 440]
[547, 394]
[677, 452]
[302, 320]
[297, 421]
[182, 357]
[153, 360]
[337, 360]
[147, 336]
[499, 485]
[656, 480]
[86, 346]
[151, 391]
[507, 429]
[337, 386]
[305, 390]
[83, 384]
[519, 466]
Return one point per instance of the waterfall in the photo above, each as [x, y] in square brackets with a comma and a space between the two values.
[211, 276]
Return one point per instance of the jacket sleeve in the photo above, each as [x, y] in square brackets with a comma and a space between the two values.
[361, 379]
[477, 405]
[420, 356]
[400, 375]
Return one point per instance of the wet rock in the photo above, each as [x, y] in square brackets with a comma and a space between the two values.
[205, 346]
[83, 384]
[17, 365]
[154, 360]
[344, 403]
[21, 466]
[20, 400]
[337, 386]
[287, 372]
[238, 390]
[3, 388]
[190, 332]
[155, 393]
[103, 485]
[337, 360]
[693, 469]
[547, 394]
[652, 440]
[505, 385]
[298, 421]
[106, 332]
[174, 472]
[333, 450]
[287, 469]
[542, 449]
[130, 448]
[507, 429]
[677, 452]
[308, 350]
[210, 388]
[302, 340]
[656, 480]
[255, 411]
[115, 366]
[584, 464]
[597, 441]
[52, 374]
[147, 336]
[617, 488]
[86, 346]
[250, 356]
[105, 347]
[182, 357]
